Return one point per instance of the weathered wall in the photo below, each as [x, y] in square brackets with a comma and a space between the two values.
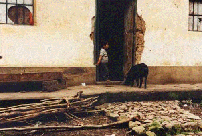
[59, 37]
[139, 38]
[157, 74]
[167, 39]
[72, 75]
[174, 74]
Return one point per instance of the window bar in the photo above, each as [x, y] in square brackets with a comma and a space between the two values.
[197, 16]
[16, 12]
[193, 17]
[33, 11]
[23, 14]
[6, 11]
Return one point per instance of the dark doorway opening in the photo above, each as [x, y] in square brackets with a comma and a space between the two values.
[110, 27]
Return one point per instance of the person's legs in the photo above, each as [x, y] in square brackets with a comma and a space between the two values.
[105, 71]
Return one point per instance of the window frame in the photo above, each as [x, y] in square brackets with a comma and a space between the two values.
[6, 3]
[194, 17]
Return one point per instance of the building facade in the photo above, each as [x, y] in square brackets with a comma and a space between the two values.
[56, 37]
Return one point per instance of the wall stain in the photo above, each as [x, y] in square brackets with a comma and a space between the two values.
[8, 30]
[177, 3]
[166, 63]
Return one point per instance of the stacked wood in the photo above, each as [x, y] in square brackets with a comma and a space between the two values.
[68, 105]
[46, 106]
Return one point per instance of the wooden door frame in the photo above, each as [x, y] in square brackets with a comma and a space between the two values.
[97, 38]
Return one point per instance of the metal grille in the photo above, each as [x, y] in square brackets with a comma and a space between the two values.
[17, 12]
[195, 15]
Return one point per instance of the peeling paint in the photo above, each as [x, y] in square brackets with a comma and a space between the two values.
[140, 31]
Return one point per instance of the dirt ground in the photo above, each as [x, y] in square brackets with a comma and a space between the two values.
[61, 119]
[97, 118]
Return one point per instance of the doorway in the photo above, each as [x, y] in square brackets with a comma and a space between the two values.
[114, 23]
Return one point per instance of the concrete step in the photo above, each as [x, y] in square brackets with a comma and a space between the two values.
[109, 82]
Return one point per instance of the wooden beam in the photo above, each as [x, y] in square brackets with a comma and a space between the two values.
[25, 77]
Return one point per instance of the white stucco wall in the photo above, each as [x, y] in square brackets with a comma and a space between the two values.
[59, 37]
[167, 39]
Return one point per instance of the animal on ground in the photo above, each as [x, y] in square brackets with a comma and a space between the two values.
[137, 73]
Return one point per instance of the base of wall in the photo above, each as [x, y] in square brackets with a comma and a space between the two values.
[157, 74]
[175, 74]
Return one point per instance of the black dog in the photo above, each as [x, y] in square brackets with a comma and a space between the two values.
[137, 72]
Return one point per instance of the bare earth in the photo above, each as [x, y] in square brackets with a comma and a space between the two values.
[97, 89]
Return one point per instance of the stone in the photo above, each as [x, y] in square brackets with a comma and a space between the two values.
[138, 129]
[163, 112]
[172, 111]
[149, 133]
[192, 116]
[113, 115]
[154, 115]
[110, 107]
[123, 107]
[181, 111]
[122, 118]
[116, 109]
[150, 117]
[189, 126]
[166, 118]
[147, 121]
[141, 116]
[167, 124]
[134, 115]
[190, 134]
[199, 133]
[120, 111]
[134, 124]
[200, 124]
[176, 123]
[155, 126]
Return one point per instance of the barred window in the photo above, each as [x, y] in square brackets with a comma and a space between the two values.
[17, 12]
[195, 15]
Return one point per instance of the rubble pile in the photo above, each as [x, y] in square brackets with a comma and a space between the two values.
[154, 117]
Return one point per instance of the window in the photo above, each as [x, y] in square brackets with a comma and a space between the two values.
[195, 15]
[17, 12]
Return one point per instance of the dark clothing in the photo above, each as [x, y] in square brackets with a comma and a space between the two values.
[104, 71]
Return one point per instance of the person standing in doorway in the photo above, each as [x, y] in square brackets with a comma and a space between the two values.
[103, 62]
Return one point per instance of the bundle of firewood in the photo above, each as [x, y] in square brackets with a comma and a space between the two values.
[68, 105]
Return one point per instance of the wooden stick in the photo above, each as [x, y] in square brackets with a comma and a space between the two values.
[47, 106]
[83, 100]
[31, 115]
[66, 127]
[40, 108]
[79, 121]
[90, 111]
[26, 106]
[37, 109]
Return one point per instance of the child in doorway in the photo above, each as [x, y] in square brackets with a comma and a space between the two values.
[103, 62]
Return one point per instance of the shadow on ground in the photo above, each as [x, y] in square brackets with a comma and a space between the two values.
[20, 86]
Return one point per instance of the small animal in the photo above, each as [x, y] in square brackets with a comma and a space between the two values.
[137, 72]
